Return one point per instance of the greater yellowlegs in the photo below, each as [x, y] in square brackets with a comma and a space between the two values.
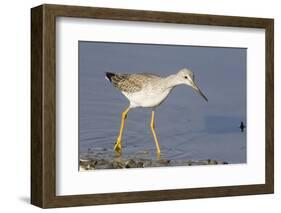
[148, 90]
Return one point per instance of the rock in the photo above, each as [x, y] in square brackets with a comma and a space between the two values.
[103, 164]
[147, 163]
[140, 164]
[185, 163]
[84, 164]
[130, 164]
[198, 163]
[82, 169]
[118, 165]
[161, 162]
[109, 165]
[213, 162]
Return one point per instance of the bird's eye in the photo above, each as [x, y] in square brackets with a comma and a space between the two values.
[185, 77]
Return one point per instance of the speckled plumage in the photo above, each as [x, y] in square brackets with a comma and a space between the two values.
[132, 83]
[149, 90]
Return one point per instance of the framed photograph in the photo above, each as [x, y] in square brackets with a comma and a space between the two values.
[136, 106]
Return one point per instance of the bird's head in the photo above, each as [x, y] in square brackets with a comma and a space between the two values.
[186, 76]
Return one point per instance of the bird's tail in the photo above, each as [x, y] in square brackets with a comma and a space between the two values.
[109, 75]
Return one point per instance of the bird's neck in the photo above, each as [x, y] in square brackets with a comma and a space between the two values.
[171, 81]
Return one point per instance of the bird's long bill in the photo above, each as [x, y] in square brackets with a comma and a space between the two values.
[196, 88]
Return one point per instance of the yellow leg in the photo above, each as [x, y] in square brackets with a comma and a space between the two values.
[152, 125]
[118, 145]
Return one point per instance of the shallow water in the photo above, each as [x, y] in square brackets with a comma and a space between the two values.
[138, 142]
[188, 128]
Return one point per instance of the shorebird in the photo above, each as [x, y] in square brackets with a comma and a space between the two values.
[148, 90]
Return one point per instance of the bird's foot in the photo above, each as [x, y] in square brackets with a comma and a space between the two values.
[118, 146]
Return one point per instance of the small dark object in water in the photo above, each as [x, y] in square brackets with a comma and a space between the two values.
[242, 126]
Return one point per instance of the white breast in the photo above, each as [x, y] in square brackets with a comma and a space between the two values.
[147, 99]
